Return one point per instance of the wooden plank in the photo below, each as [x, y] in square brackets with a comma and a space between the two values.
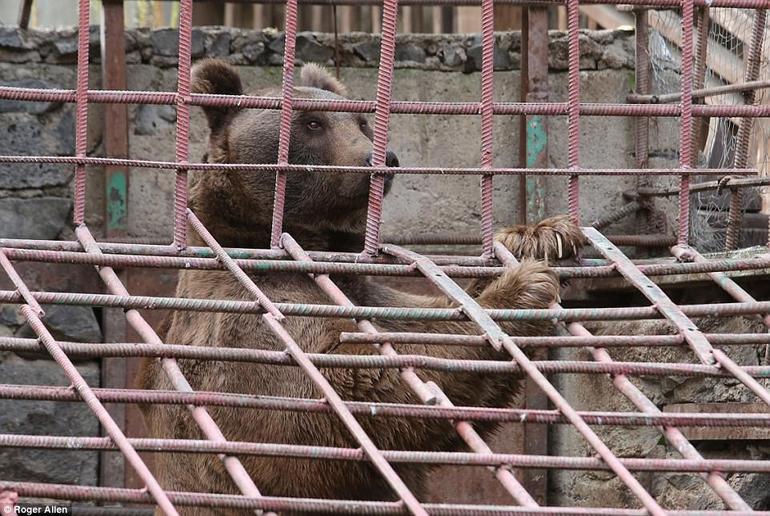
[535, 155]
[468, 20]
[113, 470]
[25, 11]
[721, 433]
[607, 16]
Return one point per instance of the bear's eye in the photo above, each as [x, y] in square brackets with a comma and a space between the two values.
[314, 125]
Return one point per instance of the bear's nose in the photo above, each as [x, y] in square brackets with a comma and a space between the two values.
[391, 160]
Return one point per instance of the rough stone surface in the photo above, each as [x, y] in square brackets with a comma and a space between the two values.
[40, 217]
[46, 418]
[308, 49]
[69, 323]
[461, 52]
[151, 119]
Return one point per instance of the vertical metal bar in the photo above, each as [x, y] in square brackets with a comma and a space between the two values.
[287, 96]
[487, 119]
[685, 126]
[81, 110]
[25, 11]
[521, 215]
[573, 106]
[182, 122]
[743, 139]
[700, 128]
[381, 124]
[112, 467]
[642, 80]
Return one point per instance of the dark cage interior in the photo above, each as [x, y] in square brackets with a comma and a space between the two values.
[308, 362]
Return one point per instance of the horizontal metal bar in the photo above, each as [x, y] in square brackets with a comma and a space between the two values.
[272, 260]
[604, 341]
[636, 98]
[114, 494]
[395, 456]
[727, 182]
[368, 106]
[376, 312]
[273, 168]
[375, 410]
[330, 360]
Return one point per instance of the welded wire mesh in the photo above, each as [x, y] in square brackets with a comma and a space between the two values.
[702, 349]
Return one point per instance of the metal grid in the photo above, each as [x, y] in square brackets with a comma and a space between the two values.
[286, 255]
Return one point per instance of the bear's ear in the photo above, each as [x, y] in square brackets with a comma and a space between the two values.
[216, 77]
[315, 76]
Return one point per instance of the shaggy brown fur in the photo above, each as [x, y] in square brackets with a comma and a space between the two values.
[323, 211]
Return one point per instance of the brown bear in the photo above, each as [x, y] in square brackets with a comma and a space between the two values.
[324, 211]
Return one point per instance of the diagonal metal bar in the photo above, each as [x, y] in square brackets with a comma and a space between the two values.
[201, 416]
[347, 418]
[739, 294]
[430, 394]
[714, 479]
[474, 312]
[32, 314]
[231, 266]
[692, 335]
[297, 353]
[21, 287]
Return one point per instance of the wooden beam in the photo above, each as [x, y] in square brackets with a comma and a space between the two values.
[607, 16]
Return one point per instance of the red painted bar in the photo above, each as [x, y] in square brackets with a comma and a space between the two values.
[381, 124]
[199, 413]
[81, 109]
[487, 119]
[573, 109]
[373, 409]
[284, 127]
[182, 122]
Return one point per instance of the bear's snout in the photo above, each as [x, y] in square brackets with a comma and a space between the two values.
[391, 160]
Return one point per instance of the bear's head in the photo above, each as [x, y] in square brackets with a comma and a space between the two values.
[323, 200]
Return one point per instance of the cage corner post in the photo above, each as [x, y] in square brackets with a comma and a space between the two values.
[113, 471]
[533, 153]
